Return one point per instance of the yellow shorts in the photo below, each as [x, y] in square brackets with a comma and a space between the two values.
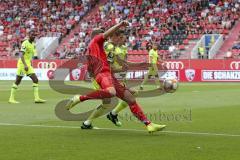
[21, 71]
[153, 70]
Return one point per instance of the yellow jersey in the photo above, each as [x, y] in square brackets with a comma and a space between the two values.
[121, 52]
[114, 51]
[109, 50]
[29, 50]
[153, 56]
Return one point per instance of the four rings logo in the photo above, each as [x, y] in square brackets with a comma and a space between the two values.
[47, 65]
[173, 65]
[235, 65]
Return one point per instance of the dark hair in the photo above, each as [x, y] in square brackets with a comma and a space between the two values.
[149, 46]
[31, 31]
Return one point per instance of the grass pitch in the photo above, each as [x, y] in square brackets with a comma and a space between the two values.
[203, 124]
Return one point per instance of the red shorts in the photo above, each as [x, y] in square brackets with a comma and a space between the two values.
[106, 80]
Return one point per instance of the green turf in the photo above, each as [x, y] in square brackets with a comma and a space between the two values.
[215, 108]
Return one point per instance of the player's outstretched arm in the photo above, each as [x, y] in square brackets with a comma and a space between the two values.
[113, 29]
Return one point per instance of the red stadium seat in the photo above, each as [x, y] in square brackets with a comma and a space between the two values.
[186, 42]
[190, 37]
[181, 47]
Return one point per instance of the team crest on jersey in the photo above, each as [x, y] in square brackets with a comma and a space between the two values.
[190, 74]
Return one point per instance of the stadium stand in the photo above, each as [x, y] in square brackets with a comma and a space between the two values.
[151, 21]
[236, 47]
[48, 18]
[172, 24]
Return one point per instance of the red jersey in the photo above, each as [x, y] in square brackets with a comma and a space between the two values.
[97, 61]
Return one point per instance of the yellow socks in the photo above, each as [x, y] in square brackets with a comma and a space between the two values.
[97, 113]
[13, 92]
[35, 91]
[121, 105]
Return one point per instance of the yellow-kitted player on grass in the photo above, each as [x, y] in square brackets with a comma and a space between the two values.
[24, 67]
[152, 69]
[116, 51]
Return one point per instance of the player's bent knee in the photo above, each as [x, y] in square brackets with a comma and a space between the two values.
[18, 80]
[35, 80]
[112, 91]
[33, 77]
[129, 98]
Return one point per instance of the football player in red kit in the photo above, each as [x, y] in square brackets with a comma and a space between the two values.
[99, 68]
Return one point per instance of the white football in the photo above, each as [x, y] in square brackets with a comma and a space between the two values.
[170, 85]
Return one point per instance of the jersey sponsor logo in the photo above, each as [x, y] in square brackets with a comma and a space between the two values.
[235, 65]
[173, 65]
[190, 74]
[47, 65]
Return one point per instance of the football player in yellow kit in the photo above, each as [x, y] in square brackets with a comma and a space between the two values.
[153, 68]
[24, 67]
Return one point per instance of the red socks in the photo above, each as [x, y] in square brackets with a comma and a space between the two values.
[134, 107]
[137, 111]
[100, 94]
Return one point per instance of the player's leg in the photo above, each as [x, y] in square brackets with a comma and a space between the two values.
[100, 94]
[128, 97]
[34, 78]
[107, 91]
[146, 78]
[134, 107]
[138, 112]
[156, 76]
[14, 89]
[122, 104]
[113, 115]
[106, 103]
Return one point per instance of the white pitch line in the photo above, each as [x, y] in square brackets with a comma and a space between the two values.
[112, 129]
[36, 125]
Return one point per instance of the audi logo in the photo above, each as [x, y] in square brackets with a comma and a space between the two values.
[47, 65]
[173, 65]
[235, 65]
